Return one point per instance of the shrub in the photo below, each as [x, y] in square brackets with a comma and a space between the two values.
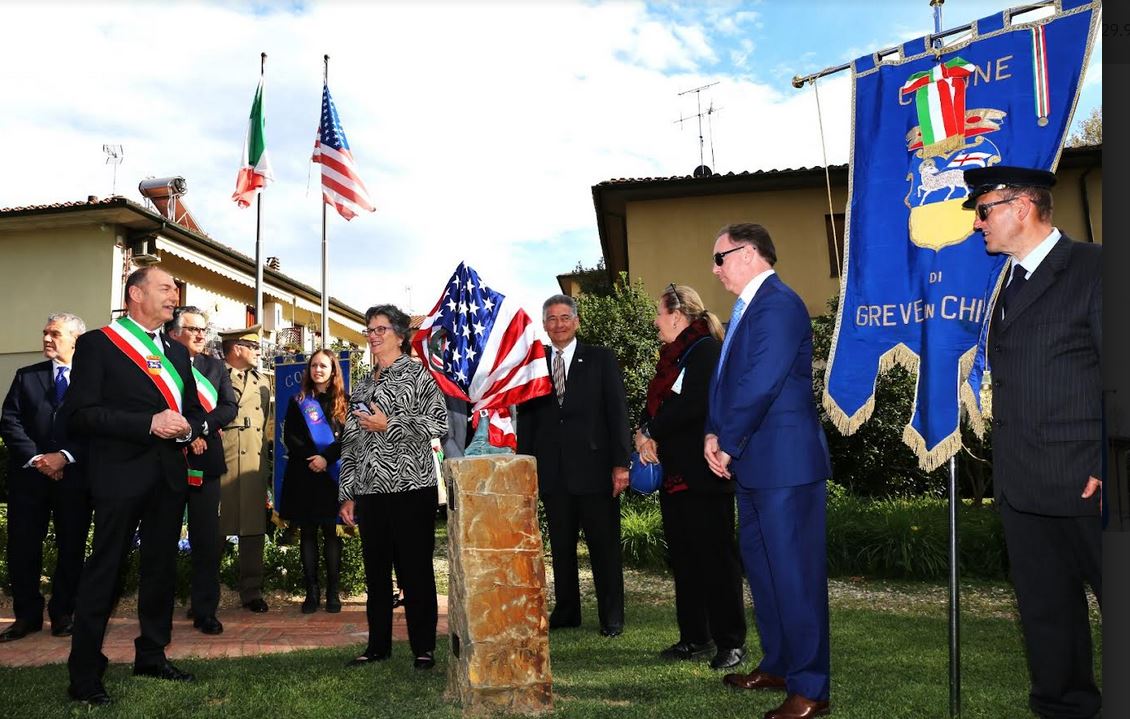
[909, 539]
[641, 533]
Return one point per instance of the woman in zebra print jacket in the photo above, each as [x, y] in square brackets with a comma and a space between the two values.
[388, 485]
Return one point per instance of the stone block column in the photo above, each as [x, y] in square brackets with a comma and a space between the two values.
[497, 621]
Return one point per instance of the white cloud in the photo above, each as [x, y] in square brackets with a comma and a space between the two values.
[479, 128]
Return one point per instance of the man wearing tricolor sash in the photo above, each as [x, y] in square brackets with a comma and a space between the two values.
[133, 397]
[206, 455]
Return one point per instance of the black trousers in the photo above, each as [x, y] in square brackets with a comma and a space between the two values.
[1051, 560]
[398, 530]
[32, 501]
[204, 538]
[158, 510]
[707, 567]
[599, 516]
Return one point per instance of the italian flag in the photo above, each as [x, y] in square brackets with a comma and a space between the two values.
[255, 172]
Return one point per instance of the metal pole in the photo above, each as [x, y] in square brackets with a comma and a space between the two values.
[325, 243]
[258, 227]
[955, 598]
[799, 81]
[954, 502]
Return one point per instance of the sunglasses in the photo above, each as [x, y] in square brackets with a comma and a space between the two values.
[720, 257]
[674, 294]
[985, 208]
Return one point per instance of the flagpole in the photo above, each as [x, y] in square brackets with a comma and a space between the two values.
[325, 245]
[954, 501]
[258, 227]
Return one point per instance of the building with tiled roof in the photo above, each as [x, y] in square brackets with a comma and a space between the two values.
[75, 256]
[662, 229]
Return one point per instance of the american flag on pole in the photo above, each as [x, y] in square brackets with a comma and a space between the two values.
[341, 185]
[483, 348]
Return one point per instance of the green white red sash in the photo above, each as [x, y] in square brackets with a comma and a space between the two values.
[205, 390]
[136, 344]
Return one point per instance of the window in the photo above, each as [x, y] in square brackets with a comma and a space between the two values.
[835, 242]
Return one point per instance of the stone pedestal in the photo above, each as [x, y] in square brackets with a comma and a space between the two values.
[497, 621]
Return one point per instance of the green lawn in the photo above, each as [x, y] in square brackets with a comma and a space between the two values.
[888, 661]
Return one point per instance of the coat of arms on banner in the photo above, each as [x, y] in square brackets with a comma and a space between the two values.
[948, 140]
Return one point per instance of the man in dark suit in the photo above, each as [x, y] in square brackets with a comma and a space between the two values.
[45, 481]
[762, 431]
[206, 454]
[133, 397]
[580, 437]
[1045, 337]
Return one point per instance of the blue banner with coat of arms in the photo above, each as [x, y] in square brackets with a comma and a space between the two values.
[918, 285]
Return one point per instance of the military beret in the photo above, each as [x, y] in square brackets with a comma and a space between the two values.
[997, 177]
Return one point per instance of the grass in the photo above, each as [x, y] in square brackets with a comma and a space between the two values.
[887, 661]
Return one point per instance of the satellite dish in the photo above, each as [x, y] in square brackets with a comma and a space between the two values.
[702, 171]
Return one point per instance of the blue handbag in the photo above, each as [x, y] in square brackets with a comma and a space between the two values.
[644, 478]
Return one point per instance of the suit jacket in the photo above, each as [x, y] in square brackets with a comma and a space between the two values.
[578, 443]
[243, 486]
[1047, 385]
[212, 461]
[677, 426]
[111, 402]
[30, 425]
[761, 403]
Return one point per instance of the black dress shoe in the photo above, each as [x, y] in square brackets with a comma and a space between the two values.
[256, 605]
[367, 658]
[427, 660]
[19, 629]
[208, 625]
[62, 627]
[556, 622]
[163, 671]
[611, 631]
[726, 658]
[686, 650]
[96, 696]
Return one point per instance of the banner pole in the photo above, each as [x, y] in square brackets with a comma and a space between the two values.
[258, 232]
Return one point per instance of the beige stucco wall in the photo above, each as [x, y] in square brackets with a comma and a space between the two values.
[44, 271]
[672, 241]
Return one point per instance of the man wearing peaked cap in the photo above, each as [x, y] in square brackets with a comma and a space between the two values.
[243, 487]
[1045, 336]
[1000, 177]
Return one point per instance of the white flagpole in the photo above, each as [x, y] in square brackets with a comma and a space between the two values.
[325, 244]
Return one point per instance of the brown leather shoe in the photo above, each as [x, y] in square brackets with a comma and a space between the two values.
[756, 679]
[798, 707]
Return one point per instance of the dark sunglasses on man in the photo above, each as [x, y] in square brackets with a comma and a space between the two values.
[720, 257]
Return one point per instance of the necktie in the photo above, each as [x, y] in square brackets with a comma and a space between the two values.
[559, 375]
[152, 336]
[60, 384]
[1013, 288]
[735, 317]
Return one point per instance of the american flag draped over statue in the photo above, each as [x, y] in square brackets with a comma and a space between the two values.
[483, 348]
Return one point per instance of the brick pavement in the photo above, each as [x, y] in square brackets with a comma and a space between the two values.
[283, 629]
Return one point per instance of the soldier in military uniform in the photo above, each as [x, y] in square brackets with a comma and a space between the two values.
[243, 489]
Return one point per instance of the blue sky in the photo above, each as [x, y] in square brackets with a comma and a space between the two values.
[478, 127]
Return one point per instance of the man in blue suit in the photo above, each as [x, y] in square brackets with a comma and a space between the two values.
[45, 481]
[762, 431]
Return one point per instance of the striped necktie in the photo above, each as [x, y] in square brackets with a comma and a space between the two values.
[559, 376]
[735, 317]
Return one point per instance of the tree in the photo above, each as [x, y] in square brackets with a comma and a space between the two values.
[622, 320]
[593, 280]
[1090, 130]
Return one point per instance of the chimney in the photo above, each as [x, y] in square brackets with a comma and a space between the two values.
[273, 263]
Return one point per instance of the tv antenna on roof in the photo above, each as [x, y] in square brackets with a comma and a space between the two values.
[114, 156]
[702, 170]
